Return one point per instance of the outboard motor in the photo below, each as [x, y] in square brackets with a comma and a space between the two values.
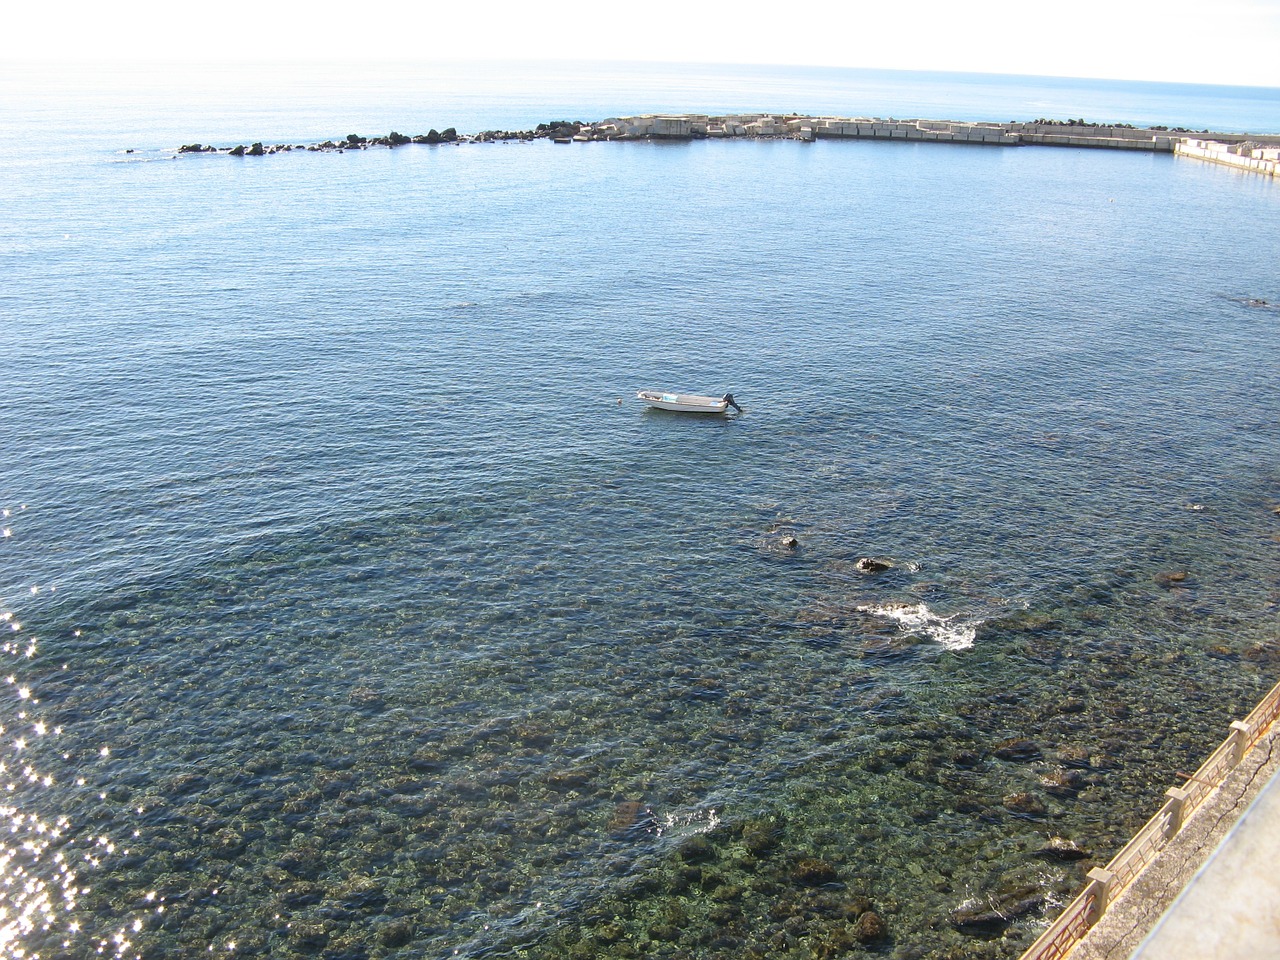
[728, 398]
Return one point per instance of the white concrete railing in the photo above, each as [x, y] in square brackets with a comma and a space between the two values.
[1107, 883]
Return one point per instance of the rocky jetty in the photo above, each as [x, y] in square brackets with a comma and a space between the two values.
[1258, 153]
[554, 130]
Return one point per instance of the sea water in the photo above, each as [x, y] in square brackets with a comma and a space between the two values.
[354, 607]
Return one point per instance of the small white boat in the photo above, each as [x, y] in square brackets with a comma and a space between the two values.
[687, 402]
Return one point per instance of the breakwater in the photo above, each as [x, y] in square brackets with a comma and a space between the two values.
[1259, 154]
[1046, 133]
[1251, 152]
[1255, 158]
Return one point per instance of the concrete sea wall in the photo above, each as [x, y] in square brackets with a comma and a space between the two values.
[1256, 154]
[1243, 156]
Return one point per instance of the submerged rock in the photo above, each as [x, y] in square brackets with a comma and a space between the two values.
[872, 565]
[966, 759]
[632, 815]
[869, 928]
[991, 917]
[1063, 782]
[397, 933]
[578, 778]
[1073, 755]
[1062, 850]
[760, 836]
[364, 697]
[1262, 653]
[360, 893]
[1027, 804]
[812, 872]
[1019, 750]
[309, 936]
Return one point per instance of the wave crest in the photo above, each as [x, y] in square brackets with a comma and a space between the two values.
[955, 633]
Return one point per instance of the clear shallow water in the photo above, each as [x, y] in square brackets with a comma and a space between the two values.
[368, 622]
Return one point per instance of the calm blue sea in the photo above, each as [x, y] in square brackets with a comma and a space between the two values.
[353, 607]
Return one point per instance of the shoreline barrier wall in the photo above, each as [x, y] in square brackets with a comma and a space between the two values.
[1242, 156]
[1255, 153]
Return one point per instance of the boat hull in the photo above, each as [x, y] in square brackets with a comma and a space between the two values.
[682, 402]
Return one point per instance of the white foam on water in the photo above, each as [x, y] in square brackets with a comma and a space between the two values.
[954, 633]
[688, 822]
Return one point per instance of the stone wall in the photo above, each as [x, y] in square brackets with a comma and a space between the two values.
[1257, 154]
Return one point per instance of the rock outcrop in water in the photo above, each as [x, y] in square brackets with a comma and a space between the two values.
[872, 565]
[992, 917]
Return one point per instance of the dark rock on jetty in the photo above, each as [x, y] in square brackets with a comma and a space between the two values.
[559, 130]
[355, 141]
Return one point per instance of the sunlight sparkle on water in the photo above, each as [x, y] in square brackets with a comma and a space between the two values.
[39, 889]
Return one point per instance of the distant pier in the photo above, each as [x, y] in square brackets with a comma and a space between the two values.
[1250, 152]
[1259, 154]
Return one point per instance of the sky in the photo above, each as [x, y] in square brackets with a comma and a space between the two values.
[1235, 42]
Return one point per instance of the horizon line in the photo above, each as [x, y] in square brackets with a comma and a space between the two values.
[276, 64]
